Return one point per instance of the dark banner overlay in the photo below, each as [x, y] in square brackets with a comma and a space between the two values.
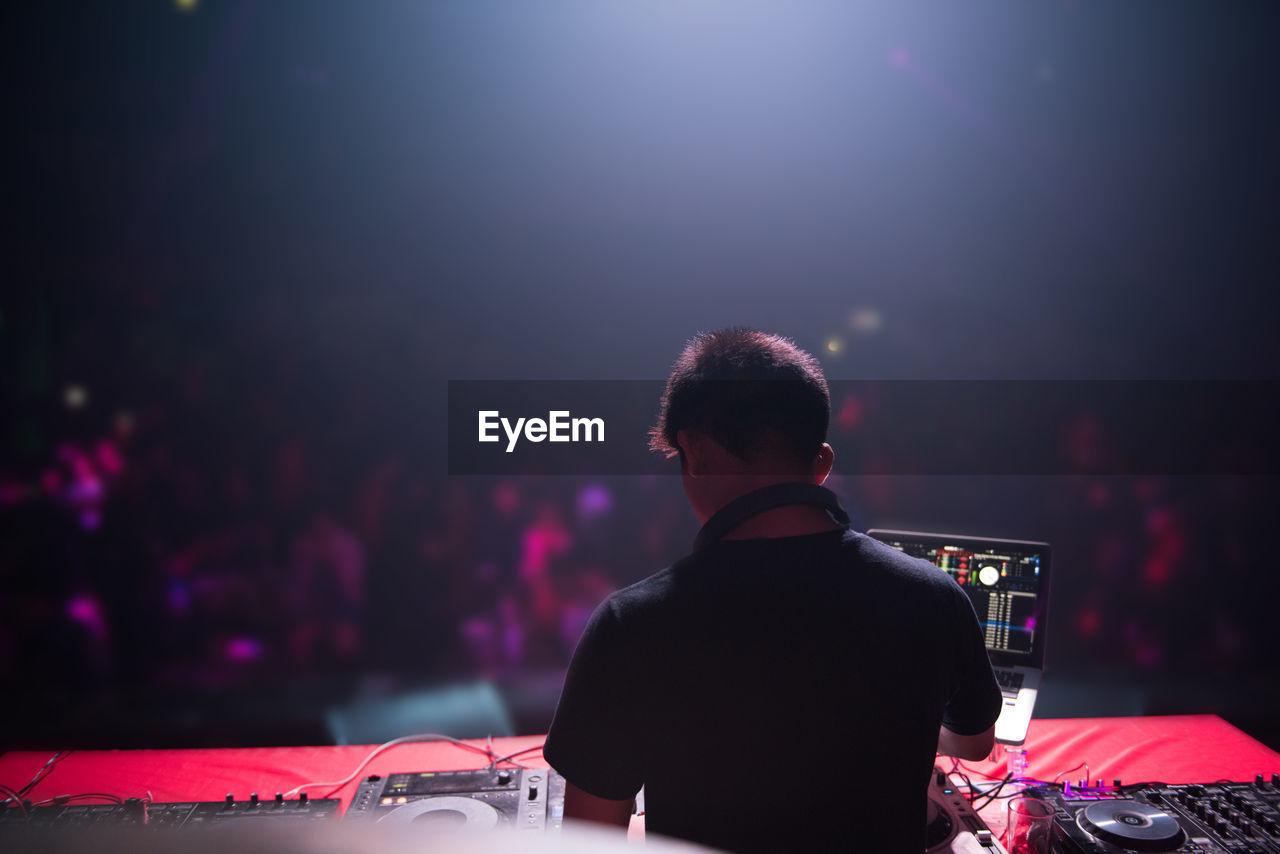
[894, 427]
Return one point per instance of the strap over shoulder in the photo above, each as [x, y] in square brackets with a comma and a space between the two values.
[753, 503]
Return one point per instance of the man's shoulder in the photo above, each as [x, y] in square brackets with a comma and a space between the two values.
[887, 559]
[854, 552]
[645, 595]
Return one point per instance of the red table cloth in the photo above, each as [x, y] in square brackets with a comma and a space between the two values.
[1184, 748]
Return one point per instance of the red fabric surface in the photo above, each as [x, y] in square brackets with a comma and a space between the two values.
[209, 775]
[1184, 748]
[1172, 749]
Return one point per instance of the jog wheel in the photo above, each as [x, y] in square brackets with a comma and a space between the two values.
[1132, 825]
[446, 813]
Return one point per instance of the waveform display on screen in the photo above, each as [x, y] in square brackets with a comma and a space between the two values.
[1003, 586]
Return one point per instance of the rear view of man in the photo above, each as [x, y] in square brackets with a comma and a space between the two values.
[786, 685]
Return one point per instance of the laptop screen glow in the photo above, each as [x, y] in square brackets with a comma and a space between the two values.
[1007, 581]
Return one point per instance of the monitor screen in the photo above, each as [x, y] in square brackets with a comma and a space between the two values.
[1005, 579]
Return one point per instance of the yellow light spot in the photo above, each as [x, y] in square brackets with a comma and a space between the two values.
[186, 5]
[834, 345]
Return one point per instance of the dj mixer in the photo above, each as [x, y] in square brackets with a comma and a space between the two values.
[1222, 817]
[1196, 818]
[185, 814]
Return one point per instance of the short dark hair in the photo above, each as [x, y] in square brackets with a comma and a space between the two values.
[752, 392]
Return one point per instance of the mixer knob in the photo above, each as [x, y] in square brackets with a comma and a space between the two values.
[253, 799]
[1275, 780]
[302, 799]
[504, 777]
[1200, 810]
[279, 799]
[230, 800]
[1259, 781]
[1245, 827]
[136, 808]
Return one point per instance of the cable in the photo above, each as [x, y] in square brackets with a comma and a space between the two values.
[426, 736]
[1087, 775]
[16, 798]
[510, 757]
[45, 770]
[975, 772]
[991, 794]
[62, 799]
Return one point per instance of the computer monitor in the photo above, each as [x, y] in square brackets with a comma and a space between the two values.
[1007, 581]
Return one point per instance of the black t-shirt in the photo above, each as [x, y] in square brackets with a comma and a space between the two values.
[772, 694]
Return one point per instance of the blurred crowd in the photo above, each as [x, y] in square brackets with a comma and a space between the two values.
[128, 563]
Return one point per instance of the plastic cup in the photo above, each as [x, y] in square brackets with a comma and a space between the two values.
[1030, 827]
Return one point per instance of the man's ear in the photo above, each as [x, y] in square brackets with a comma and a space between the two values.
[822, 463]
[693, 457]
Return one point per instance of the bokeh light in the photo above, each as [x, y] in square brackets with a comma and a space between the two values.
[865, 321]
[75, 396]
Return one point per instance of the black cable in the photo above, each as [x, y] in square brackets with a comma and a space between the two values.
[510, 757]
[59, 800]
[45, 771]
[16, 798]
[991, 794]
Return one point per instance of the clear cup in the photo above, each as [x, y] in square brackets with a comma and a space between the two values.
[1030, 827]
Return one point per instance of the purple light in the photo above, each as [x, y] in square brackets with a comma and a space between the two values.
[243, 649]
[82, 609]
[85, 610]
[178, 597]
[594, 500]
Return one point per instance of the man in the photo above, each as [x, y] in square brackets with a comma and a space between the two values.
[786, 685]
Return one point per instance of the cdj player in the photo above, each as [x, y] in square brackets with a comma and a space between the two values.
[1207, 818]
[520, 798]
[953, 827]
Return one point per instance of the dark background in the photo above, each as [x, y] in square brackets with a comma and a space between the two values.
[246, 246]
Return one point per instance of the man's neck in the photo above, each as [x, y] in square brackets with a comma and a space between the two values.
[792, 520]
